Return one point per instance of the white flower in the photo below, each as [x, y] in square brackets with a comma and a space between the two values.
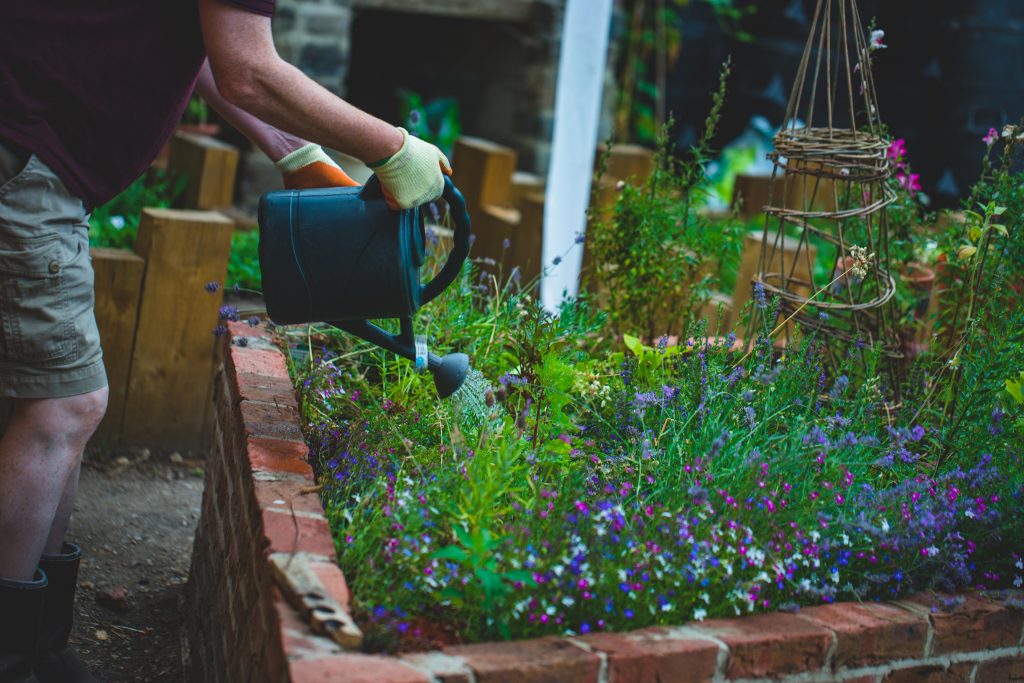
[700, 613]
[885, 526]
[1018, 581]
[117, 222]
[1019, 564]
[931, 551]
[877, 40]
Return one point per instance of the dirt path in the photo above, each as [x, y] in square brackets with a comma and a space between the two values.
[135, 520]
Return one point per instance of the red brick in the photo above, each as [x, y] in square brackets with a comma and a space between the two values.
[334, 582]
[957, 673]
[266, 362]
[264, 419]
[244, 329]
[1010, 670]
[276, 390]
[288, 533]
[770, 644]
[871, 633]
[973, 624]
[274, 455]
[655, 654]
[444, 668]
[354, 668]
[545, 660]
[288, 495]
[296, 636]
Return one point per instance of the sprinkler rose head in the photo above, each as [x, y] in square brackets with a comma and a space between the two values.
[450, 373]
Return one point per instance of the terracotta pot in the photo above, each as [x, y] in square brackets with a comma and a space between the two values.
[921, 280]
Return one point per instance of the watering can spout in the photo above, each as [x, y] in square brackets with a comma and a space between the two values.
[449, 372]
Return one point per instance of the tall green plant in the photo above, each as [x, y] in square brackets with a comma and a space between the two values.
[655, 256]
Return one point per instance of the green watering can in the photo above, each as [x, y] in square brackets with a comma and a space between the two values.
[342, 256]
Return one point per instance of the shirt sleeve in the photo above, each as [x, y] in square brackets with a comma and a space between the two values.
[263, 7]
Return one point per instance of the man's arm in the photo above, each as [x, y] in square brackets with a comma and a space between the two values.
[251, 75]
[302, 164]
[273, 142]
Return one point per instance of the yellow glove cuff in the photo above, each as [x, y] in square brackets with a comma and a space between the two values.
[302, 157]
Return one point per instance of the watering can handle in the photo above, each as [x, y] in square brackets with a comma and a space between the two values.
[460, 250]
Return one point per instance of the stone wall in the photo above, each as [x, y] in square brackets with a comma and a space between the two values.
[259, 505]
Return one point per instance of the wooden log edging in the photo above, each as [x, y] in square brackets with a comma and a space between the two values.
[259, 509]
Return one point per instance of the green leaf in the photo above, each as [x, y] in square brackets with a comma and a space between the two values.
[453, 594]
[999, 211]
[1016, 389]
[1001, 229]
[522, 576]
[463, 535]
[490, 580]
[633, 344]
[450, 552]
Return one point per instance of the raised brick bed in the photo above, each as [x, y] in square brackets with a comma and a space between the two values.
[261, 514]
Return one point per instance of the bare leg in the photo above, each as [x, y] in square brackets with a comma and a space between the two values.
[40, 457]
[59, 528]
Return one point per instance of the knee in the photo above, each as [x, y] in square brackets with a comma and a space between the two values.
[71, 419]
[87, 410]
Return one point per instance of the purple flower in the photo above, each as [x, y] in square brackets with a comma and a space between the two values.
[995, 425]
[229, 313]
[212, 287]
[762, 302]
[558, 259]
[253, 321]
[220, 331]
[992, 137]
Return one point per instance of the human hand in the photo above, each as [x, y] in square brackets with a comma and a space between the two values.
[413, 175]
[309, 167]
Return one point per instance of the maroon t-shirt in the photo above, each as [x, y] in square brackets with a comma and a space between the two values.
[95, 87]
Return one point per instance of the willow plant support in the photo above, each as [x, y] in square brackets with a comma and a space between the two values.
[830, 188]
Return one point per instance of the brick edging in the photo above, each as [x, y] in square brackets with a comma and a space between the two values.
[260, 504]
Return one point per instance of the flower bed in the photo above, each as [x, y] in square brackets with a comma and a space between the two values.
[243, 629]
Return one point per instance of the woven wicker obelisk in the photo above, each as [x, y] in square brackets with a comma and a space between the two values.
[830, 188]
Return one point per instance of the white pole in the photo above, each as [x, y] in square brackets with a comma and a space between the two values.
[581, 70]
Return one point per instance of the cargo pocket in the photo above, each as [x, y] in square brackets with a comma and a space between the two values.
[35, 315]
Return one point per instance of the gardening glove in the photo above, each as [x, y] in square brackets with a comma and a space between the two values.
[309, 167]
[413, 175]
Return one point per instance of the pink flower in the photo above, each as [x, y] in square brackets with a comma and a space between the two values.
[878, 40]
[909, 182]
[897, 150]
[991, 138]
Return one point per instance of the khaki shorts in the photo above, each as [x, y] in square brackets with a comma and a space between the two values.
[49, 343]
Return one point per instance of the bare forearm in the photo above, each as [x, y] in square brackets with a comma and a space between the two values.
[251, 75]
[282, 95]
[272, 141]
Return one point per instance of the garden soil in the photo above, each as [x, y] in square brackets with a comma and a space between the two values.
[135, 519]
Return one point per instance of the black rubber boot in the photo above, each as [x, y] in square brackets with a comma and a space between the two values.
[57, 661]
[21, 610]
